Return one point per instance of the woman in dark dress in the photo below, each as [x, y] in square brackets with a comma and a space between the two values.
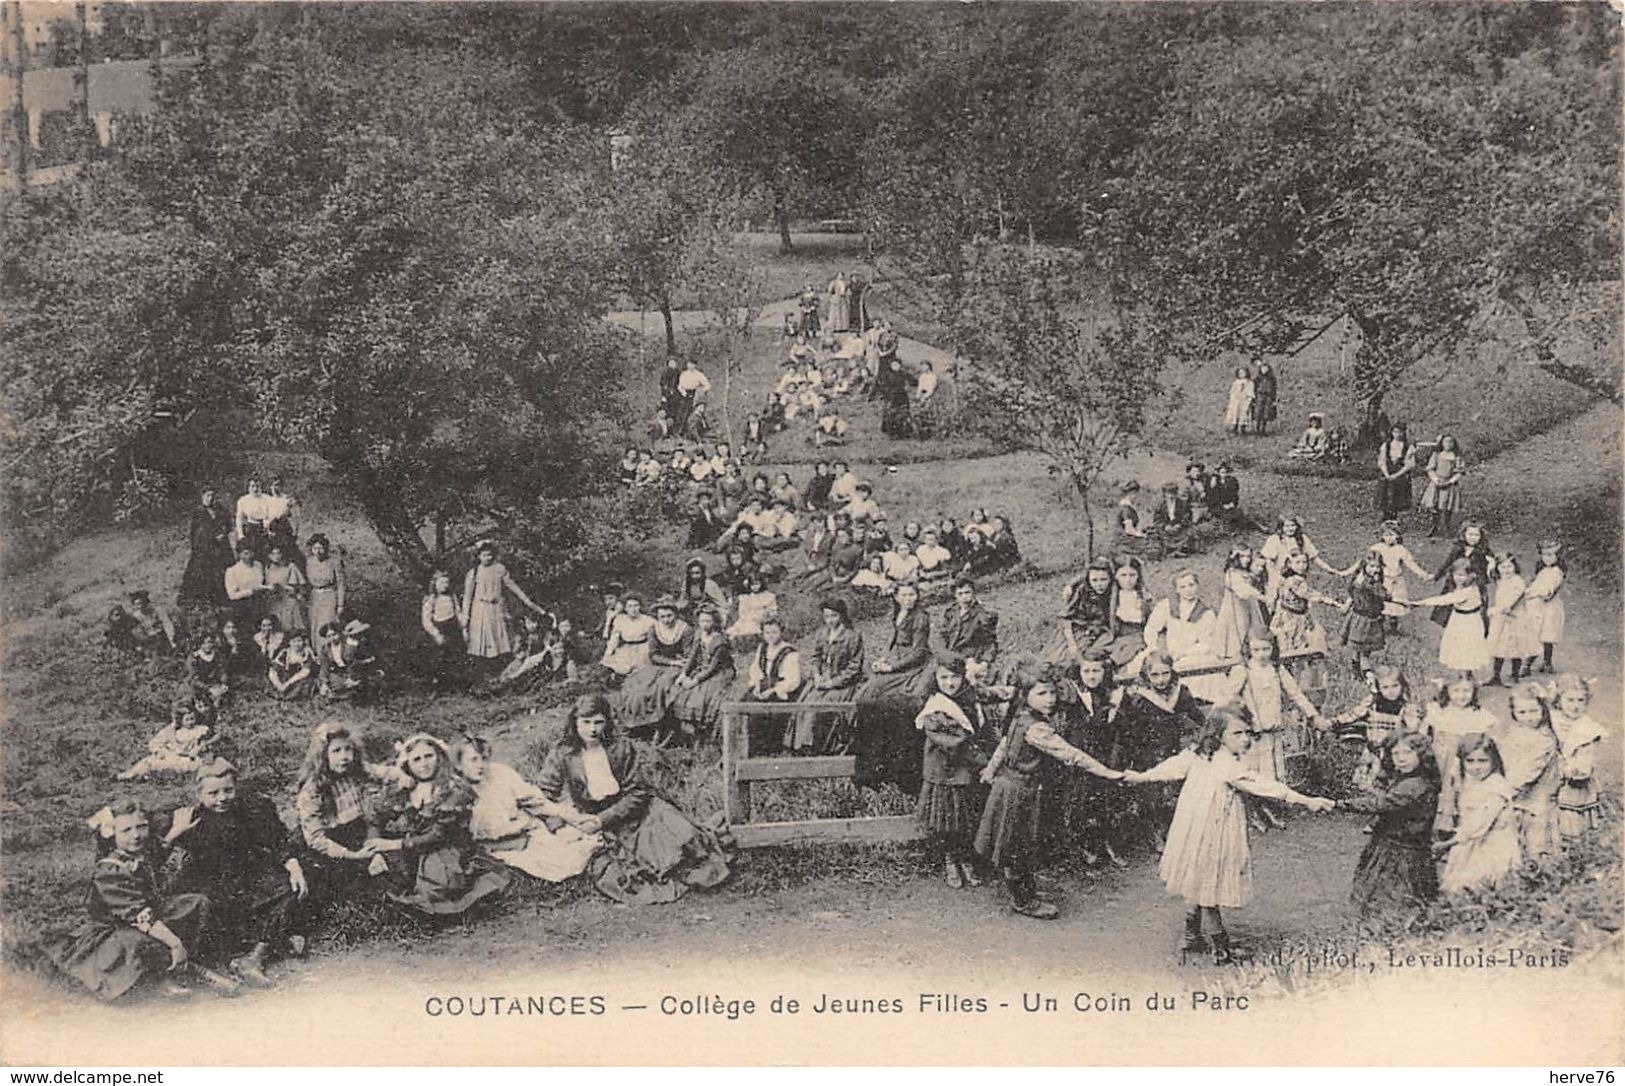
[203, 583]
[1265, 390]
[652, 853]
[836, 675]
[888, 746]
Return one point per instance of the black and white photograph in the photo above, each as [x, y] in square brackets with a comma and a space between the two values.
[829, 533]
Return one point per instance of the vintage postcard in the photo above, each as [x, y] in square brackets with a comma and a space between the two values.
[842, 533]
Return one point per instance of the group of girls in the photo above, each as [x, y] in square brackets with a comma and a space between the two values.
[1462, 797]
[436, 829]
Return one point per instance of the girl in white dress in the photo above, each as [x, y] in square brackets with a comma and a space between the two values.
[1396, 559]
[1544, 605]
[1206, 860]
[629, 634]
[1240, 404]
[1485, 845]
[1512, 636]
[1451, 719]
[506, 818]
[1465, 646]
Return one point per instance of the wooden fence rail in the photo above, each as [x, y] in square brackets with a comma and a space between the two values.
[740, 770]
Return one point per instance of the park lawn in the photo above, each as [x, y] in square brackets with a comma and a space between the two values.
[75, 716]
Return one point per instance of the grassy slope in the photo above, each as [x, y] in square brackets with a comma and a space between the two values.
[74, 717]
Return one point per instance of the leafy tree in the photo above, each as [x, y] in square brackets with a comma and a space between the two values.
[1052, 372]
[1413, 170]
[396, 273]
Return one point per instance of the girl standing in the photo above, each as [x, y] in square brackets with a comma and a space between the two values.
[1396, 559]
[1241, 610]
[1396, 463]
[1008, 835]
[1455, 716]
[1158, 717]
[947, 810]
[1465, 646]
[1512, 636]
[1086, 813]
[1484, 846]
[1534, 769]
[1545, 606]
[1363, 629]
[1299, 636]
[485, 612]
[646, 694]
[837, 672]
[1129, 611]
[1240, 404]
[210, 539]
[1386, 710]
[629, 633]
[286, 586]
[708, 674]
[324, 571]
[1206, 861]
[1396, 867]
[1442, 497]
[1263, 687]
[1579, 737]
[441, 617]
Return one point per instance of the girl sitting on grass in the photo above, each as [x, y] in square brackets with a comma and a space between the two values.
[180, 747]
[1206, 860]
[292, 676]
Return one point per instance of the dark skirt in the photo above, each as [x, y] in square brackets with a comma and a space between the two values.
[1010, 821]
[700, 706]
[646, 694]
[658, 859]
[110, 959]
[1394, 496]
[266, 910]
[1364, 632]
[446, 881]
[447, 664]
[888, 743]
[821, 732]
[948, 810]
[1392, 874]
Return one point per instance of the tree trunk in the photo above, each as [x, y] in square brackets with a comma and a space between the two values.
[16, 63]
[155, 48]
[398, 532]
[781, 215]
[81, 78]
[1088, 519]
[671, 329]
[1373, 421]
